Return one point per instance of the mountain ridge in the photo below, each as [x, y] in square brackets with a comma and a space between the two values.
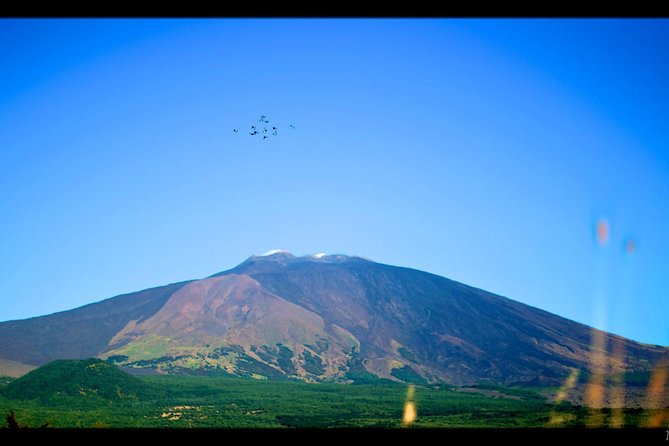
[322, 318]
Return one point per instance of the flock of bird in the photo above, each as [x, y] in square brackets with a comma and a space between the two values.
[266, 130]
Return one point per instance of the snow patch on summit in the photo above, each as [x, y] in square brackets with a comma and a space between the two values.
[271, 252]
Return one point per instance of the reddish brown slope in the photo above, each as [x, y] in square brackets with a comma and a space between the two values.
[233, 311]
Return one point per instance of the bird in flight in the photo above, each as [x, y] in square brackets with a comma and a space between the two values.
[265, 130]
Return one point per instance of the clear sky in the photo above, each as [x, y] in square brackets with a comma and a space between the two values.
[485, 151]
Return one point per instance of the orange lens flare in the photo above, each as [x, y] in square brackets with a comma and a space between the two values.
[657, 398]
[602, 232]
[630, 246]
[596, 388]
[617, 393]
[558, 419]
[410, 414]
[569, 384]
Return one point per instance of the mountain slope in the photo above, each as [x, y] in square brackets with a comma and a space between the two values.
[79, 333]
[437, 326]
[322, 318]
[233, 314]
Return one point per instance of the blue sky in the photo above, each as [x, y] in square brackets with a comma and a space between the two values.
[481, 150]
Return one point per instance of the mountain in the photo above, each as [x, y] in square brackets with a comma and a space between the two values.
[323, 317]
[68, 381]
[78, 333]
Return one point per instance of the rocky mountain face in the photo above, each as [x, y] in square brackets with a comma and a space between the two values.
[322, 317]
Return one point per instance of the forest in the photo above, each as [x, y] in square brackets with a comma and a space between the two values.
[95, 394]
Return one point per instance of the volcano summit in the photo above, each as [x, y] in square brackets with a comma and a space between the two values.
[321, 318]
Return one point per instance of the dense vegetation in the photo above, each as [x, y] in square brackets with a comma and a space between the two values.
[191, 401]
[4, 380]
[78, 382]
[92, 393]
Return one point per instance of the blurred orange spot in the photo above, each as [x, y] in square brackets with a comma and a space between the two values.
[569, 383]
[630, 246]
[656, 397]
[409, 413]
[602, 232]
[558, 419]
[595, 391]
[618, 385]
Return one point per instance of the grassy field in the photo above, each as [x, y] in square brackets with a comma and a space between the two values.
[247, 403]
